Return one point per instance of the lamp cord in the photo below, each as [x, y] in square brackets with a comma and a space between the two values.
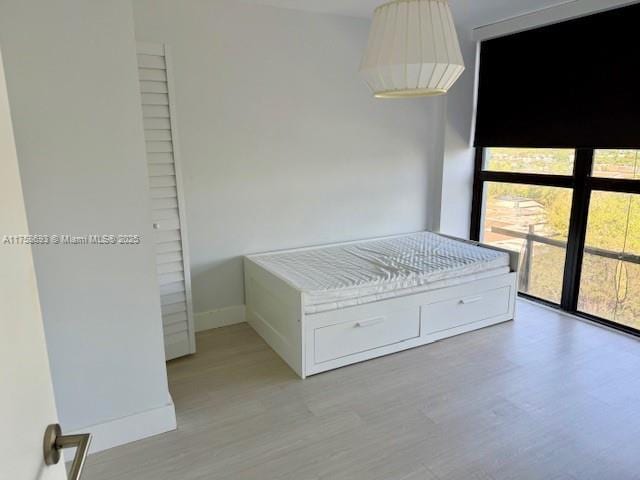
[621, 267]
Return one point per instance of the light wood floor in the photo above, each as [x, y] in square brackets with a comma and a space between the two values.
[546, 397]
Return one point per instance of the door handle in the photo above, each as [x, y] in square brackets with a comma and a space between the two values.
[466, 301]
[54, 441]
[369, 323]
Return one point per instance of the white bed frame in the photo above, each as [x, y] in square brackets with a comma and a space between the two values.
[314, 343]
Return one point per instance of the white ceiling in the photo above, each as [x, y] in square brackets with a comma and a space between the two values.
[471, 13]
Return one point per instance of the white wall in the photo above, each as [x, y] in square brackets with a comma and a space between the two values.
[26, 404]
[457, 176]
[72, 80]
[282, 143]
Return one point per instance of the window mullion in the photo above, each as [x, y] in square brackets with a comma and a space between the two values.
[541, 179]
[577, 228]
[478, 194]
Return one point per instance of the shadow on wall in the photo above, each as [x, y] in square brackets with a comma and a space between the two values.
[217, 284]
[460, 101]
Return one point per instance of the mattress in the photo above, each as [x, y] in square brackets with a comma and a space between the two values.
[343, 275]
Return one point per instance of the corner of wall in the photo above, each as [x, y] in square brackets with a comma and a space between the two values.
[221, 317]
[120, 431]
[457, 176]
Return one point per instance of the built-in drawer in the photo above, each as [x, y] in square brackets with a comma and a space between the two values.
[457, 311]
[348, 338]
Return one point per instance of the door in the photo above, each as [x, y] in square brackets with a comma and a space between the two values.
[165, 186]
[26, 404]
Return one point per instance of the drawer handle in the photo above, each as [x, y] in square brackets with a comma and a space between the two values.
[467, 301]
[369, 323]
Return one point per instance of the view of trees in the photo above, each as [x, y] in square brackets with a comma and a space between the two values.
[610, 288]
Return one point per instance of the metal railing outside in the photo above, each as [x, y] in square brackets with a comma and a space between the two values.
[530, 238]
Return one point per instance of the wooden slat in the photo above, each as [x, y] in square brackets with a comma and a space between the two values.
[175, 338]
[168, 258]
[161, 170]
[166, 181]
[173, 298]
[170, 278]
[167, 224]
[178, 317]
[155, 99]
[166, 247]
[159, 147]
[157, 124]
[151, 62]
[155, 111]
[174, 328]
[164, 236]
[177, 348]
[172, 267]
[157, 135]
[163, 192]
[168, 307]
[176, 307]
[152, 75]
[159, 203]
[165, 214]
[160, 158]
[147, 86]
[174, 287]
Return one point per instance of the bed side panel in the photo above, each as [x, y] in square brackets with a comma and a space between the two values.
[274, 311]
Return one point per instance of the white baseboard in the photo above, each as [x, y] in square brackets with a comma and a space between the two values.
[221, 317]
[128, 429]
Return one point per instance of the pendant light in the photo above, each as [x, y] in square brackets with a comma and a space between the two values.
[413, 50]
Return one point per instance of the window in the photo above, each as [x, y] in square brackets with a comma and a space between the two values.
[617, 164]
[534, 221]
[530, 160]
[553, 179]
[574, 217]
[610, 282]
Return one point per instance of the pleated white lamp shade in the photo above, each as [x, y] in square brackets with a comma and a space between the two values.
[413, 50]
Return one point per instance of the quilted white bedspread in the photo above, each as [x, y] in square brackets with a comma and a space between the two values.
[350, 274]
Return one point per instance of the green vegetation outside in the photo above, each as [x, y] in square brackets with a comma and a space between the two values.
[610, 288]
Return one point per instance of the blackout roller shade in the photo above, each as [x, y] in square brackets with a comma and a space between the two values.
[573, 84]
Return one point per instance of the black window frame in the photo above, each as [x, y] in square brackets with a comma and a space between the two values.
[582, 184]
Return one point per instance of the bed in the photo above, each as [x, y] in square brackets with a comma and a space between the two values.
[325, 307]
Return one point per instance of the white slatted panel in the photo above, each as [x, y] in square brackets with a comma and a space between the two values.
[164, 192]
[166, 200]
